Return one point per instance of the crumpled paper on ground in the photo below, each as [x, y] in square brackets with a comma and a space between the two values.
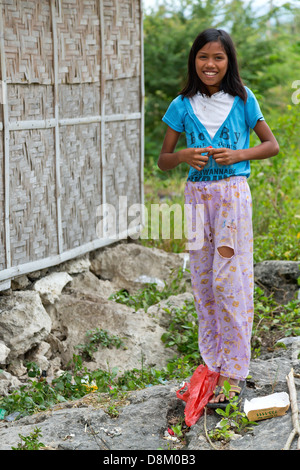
[266, 407]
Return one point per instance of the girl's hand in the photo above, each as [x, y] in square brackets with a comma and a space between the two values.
[194, 157]
[224, 156]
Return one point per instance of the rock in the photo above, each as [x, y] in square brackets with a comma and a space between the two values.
[144, 416]
[24, 322]
[289, 340]
[124, 264]
[74, 314]
[17, 368]
[159, 312]
[140, 424]
[87, 282]
[4, 352]
[7, 383]
[294, 343]
[278, 277]
[51, 286]
[38, 355]
[78, 265]
[272, 371]
[20, 283]
[270, 434]
[143, 279]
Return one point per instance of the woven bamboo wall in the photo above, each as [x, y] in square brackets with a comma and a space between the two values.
[71, 125]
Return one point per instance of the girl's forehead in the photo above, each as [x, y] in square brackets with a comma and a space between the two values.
[214, 47]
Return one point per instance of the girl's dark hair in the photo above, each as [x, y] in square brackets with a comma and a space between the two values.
[231, 83]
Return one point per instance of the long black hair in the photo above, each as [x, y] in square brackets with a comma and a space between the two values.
[231, 83]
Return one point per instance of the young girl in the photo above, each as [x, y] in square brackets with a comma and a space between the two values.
[216, 112]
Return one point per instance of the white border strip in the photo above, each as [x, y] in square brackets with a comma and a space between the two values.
[6, 144]
[51, 123]
[27, 125]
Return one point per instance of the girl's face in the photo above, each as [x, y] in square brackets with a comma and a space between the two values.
[211, 65]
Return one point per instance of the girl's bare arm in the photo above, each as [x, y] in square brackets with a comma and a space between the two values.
[169, 159]
[267, 148]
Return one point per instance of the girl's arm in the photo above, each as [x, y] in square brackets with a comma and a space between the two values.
[169, 159]
[267, 148]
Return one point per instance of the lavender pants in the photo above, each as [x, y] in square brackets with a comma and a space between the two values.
[223, 286]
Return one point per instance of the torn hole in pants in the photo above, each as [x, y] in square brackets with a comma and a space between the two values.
[225, 252]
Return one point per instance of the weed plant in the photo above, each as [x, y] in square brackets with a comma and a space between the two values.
[98, 338]
[233, 420]
[151, 293]
[30, 442]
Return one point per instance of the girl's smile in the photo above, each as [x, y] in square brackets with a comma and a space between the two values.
[211, 65]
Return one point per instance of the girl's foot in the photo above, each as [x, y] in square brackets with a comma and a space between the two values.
[220, 397]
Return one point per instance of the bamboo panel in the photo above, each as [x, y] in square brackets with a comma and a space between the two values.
[80, 183]
[72, 127]
[123, 96]
[33, 231]
[78, 29]
[122, 38]
[35, 102]
[28, 41]
[81, 100]
[122, 162]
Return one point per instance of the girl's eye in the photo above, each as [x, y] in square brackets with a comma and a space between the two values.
[204, 57]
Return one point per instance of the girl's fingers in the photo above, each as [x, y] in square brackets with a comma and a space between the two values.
[199, 165]
[218, 152]
[203, 150]
[201, 157]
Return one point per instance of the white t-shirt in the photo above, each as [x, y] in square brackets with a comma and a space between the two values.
[212, 110]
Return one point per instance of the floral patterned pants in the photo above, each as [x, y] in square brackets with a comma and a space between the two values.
[223, 286]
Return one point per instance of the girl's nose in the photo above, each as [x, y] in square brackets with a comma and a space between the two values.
[210, 62]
